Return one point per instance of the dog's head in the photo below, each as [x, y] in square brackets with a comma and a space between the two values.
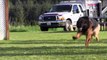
[83, 24]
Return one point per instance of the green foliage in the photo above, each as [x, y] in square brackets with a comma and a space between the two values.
[17, 13]
[24, 28]
[26, 12]
[30, 28]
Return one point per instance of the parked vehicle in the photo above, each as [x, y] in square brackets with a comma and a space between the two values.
[65, 15]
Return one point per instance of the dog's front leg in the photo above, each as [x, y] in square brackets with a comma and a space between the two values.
[77, 35]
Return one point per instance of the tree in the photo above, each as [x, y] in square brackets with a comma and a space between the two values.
[26, 12]
[19, 13]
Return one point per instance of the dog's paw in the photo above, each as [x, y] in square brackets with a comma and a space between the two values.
[74, 37]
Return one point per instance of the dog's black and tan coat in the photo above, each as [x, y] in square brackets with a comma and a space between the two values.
[89, 27]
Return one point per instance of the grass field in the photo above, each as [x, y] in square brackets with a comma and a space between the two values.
[52, 46]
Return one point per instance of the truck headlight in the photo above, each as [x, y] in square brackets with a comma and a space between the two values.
[61, 18]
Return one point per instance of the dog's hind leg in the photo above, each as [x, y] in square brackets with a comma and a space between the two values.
[97, 30]
[97, 38]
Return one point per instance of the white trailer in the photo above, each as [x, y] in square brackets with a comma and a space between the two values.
[94, 8]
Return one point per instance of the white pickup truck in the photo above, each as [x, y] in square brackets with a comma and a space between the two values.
[65, 15]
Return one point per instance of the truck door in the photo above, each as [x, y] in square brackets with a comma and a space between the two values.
[76, 14]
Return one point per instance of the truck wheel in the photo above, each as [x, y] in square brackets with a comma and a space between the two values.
[68, 26]
[43, 28]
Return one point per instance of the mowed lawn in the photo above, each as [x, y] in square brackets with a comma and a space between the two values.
[52, 46]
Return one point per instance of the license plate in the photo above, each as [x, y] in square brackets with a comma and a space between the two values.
[48, 23]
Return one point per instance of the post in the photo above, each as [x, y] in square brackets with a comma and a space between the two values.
[7, 19]
[4, 24]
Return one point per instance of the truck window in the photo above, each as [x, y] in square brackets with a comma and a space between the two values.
[61, 8]
[75, 9]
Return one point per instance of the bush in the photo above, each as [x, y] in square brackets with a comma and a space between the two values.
[26, 12]
[24, 28]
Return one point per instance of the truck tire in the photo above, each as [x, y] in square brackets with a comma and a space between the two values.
[43, 28]
[68, 26]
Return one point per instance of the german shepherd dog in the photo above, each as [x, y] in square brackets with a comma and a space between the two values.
[89, 27]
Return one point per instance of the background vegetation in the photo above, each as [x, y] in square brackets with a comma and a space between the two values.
[26, 12]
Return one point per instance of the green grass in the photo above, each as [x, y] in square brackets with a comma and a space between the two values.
[24, 28]
[30, 29]
[52, 46]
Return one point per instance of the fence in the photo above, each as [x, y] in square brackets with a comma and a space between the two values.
[103, 24]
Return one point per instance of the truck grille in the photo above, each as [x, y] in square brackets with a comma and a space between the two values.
[49, 18]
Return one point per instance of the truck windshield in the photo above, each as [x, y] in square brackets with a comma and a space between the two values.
[61, 8]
